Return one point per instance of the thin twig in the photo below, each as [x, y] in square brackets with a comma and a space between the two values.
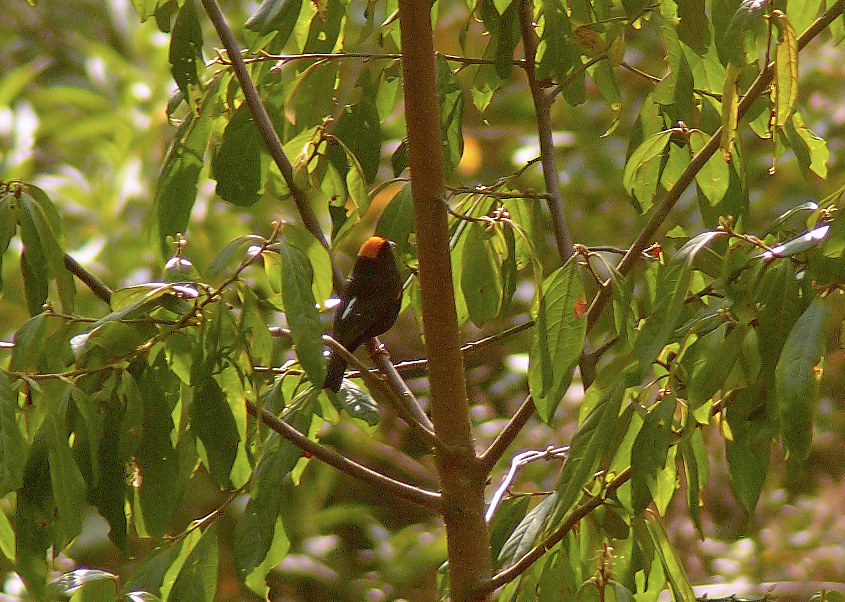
[367, 56]
[662, 210]
[303, 206]
[542, 110]
[268, 132]
[100, 290]
[416, 419]
[487, 191]
[517, 462]
[569, 521]
[382, 483]
[493, 454]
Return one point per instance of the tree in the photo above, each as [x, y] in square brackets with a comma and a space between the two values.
[713, 321]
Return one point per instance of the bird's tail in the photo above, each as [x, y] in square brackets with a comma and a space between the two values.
[334, 373]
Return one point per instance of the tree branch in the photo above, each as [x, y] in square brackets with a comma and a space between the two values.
[268, 132]
[542, 109]
[662, 210]
[569, 521]
[100, 290]
[497, 449]
[274, 146]
[385, 484]
[407, 408]
[462, 484]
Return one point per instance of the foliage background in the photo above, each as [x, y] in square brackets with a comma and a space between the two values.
[82, 101]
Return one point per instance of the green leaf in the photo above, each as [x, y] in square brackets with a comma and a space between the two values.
[8, 227]
[675, 573]
[747, 452]
[68, 486]
[83, 581]
[29, 343]
[197, 579]
[176, 190]
[359, 127]
[481, 280]
[638, 167]
[696, 467]
[164, 465]
[648, 455]
[254, 328]
[785, 82]
[186, 48]
[559, 55]
[677, 159]
[673, 281]
[279, 546]
[253, 535]
[717, 365]
[525, 535]
[397, 224]
[48, 224]
[810, 150]
[301, 312]
[738, 46]
[730, 111]
[714, 178]
[558, 339]
[232, 249]
[34, 518]
[503, 29]
[799, 244]
[275, 15]
[357, 403]
[13, 446]
[213, 423]
[796, 381]
[508, 516]
[150, 573]
[590, 442]
[7, 537]
[311, 98]
[108, 493]
[239, 163]
[450, 97]
[693, 28]
[318, 256]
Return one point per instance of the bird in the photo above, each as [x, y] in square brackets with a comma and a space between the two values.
[369, 304]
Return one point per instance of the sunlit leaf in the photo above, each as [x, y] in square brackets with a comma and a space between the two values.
[796, 379]
[481, 279]
[239, 164]
[785, 82]
[675, 573]
[730, 108]
[558, 338]
[197, 580]
[650, 150]
[186, 48]
[301, 311]
[176, 190]
[714, 177]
